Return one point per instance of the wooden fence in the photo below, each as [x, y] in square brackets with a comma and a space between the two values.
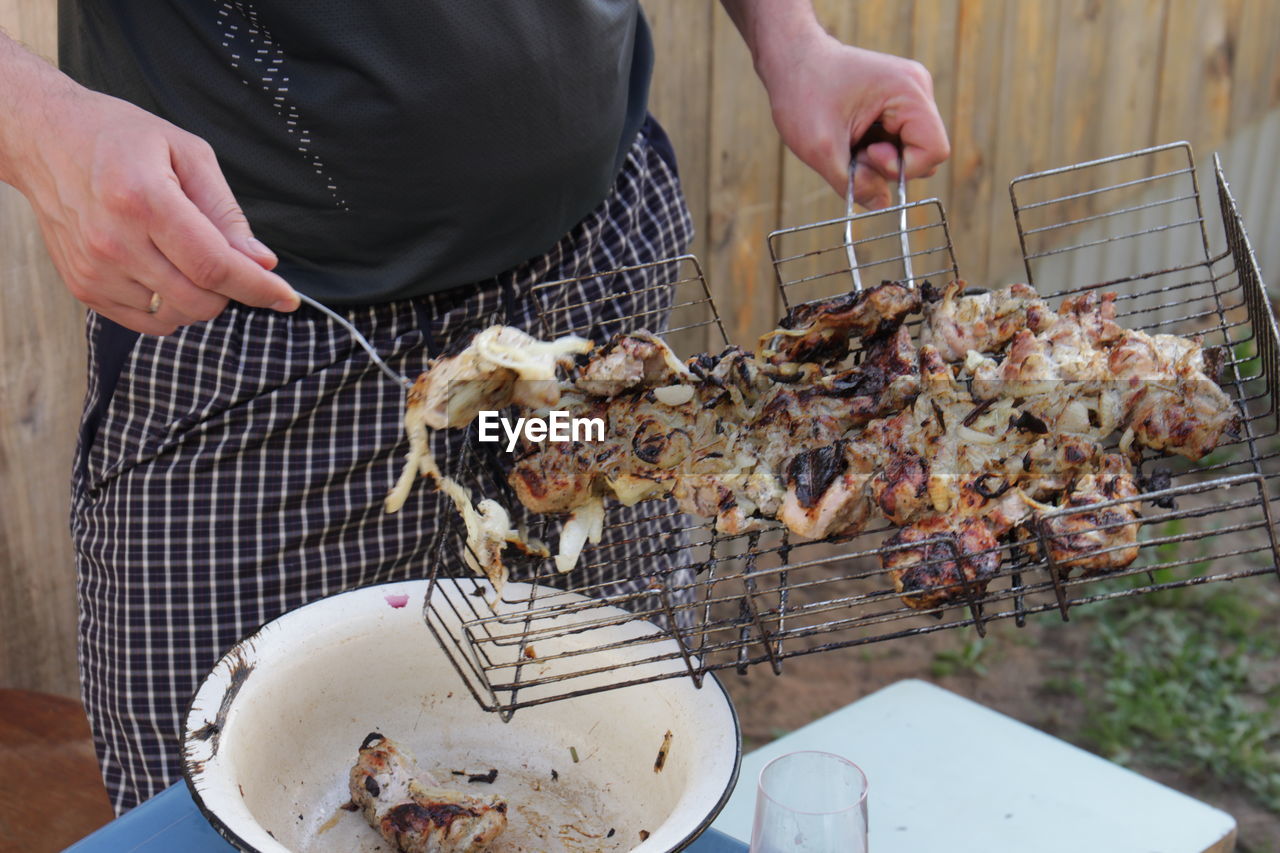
[41, 387]
[1022, 84]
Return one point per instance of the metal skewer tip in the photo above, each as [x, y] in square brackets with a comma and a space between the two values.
[403, 381]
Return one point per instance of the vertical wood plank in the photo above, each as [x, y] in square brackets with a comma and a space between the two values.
[743, 175]
[1102, 65]
[933, 43]
[680, 95]
[32, 22]
[1079, 92]
[886, 27]
[1255, 39]
[41, 383]
[1134, 42]
[1195, 84]
[975, 129]
[1025, 145]
[1079, 89]
[680, 98]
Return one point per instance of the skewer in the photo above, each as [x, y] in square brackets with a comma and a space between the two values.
[902, 216]
[848, 228]
[400, 380]
[902, 222]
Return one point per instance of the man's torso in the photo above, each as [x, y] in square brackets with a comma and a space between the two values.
[393, 147]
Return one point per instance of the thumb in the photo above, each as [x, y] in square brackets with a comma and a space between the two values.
[202, 181]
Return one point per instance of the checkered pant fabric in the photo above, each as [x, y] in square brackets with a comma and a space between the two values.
[240, 466]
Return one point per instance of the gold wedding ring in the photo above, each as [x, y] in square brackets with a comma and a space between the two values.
[154, 305]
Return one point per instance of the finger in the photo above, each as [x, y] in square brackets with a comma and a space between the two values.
[114, 297]
[924, 140]
[101, 287]
[191, 242]
[126, 293]
[125, 312]
[101, 293]
[134, 296]
[870, 187]
[158, 275]
[837, 170]
[196, 166]
[138, 321]
[883, 157]
[168, 313]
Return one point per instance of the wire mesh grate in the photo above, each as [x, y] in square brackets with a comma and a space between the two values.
[762, 597]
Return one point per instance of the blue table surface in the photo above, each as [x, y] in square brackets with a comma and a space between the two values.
[170, 822]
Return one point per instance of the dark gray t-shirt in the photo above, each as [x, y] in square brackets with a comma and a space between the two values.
[386, 148]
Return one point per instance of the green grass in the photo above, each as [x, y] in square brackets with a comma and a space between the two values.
[1246, 354]
[1175, 552]
[967, 659]
[1176, 684]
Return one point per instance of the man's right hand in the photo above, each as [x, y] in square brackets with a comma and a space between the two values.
[130, 206]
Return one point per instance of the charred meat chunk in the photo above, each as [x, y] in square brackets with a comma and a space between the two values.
[941, 560]
[1096, 539]
[819, 331]
[412, 811]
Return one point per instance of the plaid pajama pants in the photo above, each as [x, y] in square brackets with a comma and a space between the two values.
[237, 468]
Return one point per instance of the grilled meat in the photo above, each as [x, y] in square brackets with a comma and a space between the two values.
[1037, 419]
[734, 375]
[901, 488]
[412, 811]
[997, 421]
[719, 450]
[484, 375]
[818, 332]
[559, 476]
[940, 560]
[1091, 315]
[630, 360]
[981, 322]
[1171, 401]
[1095, 539]
[826, 494]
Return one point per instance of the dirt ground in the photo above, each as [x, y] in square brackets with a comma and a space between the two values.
[1017, 662]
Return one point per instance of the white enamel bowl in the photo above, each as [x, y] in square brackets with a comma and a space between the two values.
[274, 730]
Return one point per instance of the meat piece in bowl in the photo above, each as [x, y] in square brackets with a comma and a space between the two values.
[413, 812]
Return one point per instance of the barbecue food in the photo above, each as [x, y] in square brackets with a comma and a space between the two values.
[627, 361]
[818, 332]
[982, 322]
[983, 435]
[1094, 538]
[1171, 393]
[500, 366]
[1021, 449]
[416, 814]
[948, 558]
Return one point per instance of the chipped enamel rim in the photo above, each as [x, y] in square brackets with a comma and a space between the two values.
[713, 723]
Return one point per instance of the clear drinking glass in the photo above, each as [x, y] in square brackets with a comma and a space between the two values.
[810, 802]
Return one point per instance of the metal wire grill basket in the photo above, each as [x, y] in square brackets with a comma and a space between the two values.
[1133, 224]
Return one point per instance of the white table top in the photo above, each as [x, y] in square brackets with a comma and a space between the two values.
[947, 774]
